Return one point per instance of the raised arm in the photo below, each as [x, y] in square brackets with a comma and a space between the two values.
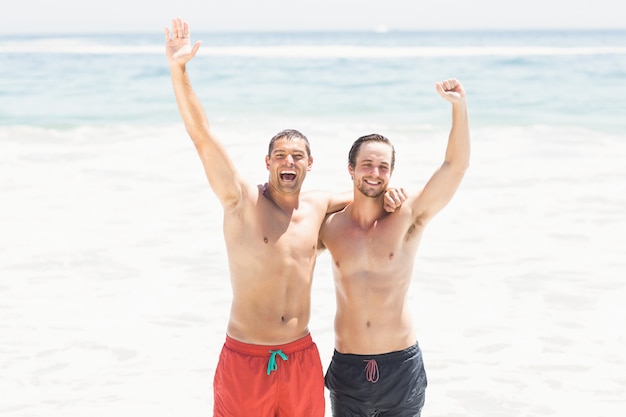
[218, 166]
[442, 186]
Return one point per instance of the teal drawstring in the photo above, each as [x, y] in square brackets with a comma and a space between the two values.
[272, 365]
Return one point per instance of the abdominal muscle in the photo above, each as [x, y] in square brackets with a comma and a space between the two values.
[267, 324]
[367, 328]
[270, 310]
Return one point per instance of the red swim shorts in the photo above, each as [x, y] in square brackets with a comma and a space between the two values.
[262, 381]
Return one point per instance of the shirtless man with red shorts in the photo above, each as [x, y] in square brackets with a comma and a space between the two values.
[269, 365]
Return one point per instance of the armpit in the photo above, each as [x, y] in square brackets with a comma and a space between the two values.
[415, 228]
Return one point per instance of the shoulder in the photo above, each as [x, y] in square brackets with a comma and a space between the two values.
[315, 194]
[335, 220]
[249, 196]
[318, 199]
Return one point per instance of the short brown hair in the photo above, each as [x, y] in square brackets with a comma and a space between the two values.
[374, 137]
[289, 134]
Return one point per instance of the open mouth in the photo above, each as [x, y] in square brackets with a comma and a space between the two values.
[373, 183]
[288, 176]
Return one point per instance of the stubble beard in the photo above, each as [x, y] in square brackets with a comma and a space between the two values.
[289, 188]
[367, 191]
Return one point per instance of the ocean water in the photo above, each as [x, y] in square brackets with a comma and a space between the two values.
[114, 290]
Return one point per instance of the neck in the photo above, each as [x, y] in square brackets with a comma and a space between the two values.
[286, 202]
[366, 211]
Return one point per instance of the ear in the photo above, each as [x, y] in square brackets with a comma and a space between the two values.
[310, 165]
[267, 162]
[351, 171]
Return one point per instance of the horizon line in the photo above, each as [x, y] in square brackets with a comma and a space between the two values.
[378, 29]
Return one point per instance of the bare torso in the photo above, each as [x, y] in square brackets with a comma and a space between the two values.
[272, 255]
[372, 269]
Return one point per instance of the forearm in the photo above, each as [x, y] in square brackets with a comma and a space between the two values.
[189, 105]
[218, 166]
[458, 149]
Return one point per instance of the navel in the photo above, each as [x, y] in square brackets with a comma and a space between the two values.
[337, 264]
[391, 256]
[368, 324]
[265, 239]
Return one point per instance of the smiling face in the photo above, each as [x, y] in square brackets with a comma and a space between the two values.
[373, 165]
[288, 163]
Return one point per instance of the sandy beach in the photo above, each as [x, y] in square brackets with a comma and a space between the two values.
[114, 286]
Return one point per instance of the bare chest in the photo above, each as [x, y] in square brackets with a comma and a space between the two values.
[267, 232]
[384, 248]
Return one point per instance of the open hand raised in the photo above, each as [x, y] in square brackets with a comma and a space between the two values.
[178, 46]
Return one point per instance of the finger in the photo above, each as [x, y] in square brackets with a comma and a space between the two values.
[445, 88]
[388, 202]
[195, 48]
[179, 27]
[451, 84]
[395, 202]
[440, 89]
[167, 34]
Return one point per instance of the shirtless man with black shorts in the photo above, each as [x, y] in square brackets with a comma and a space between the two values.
[377, 367]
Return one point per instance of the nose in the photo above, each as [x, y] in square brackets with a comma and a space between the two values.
[289, 159]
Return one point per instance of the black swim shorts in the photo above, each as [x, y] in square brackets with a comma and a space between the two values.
[385, 385]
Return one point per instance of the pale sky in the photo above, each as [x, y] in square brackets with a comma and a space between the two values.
[72, 16]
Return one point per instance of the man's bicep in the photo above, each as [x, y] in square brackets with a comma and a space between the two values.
[220, 170]
[437, 192]
[323, 234]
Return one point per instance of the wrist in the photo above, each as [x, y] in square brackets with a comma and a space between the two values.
[459, 104]
[177, 67]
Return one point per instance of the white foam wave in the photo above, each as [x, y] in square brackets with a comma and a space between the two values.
[81, 47]
[340, 51]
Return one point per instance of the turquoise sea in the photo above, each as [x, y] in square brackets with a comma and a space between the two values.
[513, 78]
[114, 289]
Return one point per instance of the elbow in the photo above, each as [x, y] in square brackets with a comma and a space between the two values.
[194, 129]
[464, 166]
[198, 134]
[459, 165]
[460, 159]
[460, 170]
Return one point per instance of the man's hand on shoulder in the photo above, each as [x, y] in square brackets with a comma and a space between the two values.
[394, 197]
